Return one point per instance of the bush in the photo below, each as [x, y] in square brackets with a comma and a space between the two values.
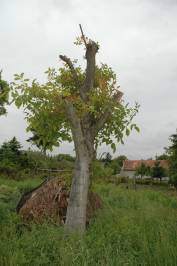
[9, 195]
[67, 157]
[8, 168]
[117, 163]
[117, 180]
[100, 171]
[173, 179]
[144, 181]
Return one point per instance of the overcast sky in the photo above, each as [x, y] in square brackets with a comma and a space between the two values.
[138, 39]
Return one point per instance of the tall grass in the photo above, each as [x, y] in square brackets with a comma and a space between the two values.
[134, 228]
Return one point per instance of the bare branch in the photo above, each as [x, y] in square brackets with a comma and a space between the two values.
[83, 36]
[68, 61]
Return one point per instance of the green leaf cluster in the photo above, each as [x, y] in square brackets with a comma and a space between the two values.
[119, 125]
[172, 157]
[4, 96]
[46, 114]
[143, 170]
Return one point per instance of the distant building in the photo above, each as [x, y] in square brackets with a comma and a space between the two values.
[129, 166]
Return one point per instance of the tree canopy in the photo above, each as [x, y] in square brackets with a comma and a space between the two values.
[158, 171]
[172, 153]
[12, 157]
[142, 170]
[45, 111]
[4, 94]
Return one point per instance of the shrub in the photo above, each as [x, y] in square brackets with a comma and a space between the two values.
[100, 171]
[115, 179]
[144, 181]
[8, 168]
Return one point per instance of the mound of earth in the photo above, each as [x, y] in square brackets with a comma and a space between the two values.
[49, 202]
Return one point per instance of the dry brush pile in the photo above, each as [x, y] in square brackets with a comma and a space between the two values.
[49, 201]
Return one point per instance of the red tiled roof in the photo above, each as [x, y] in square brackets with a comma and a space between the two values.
[132, 165]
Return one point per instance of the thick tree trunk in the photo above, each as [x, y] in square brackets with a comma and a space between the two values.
[76, 211]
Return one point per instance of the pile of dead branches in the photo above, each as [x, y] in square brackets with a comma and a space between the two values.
[49, 201]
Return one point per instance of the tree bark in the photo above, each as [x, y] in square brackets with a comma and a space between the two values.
[76, 211]
[84, 148]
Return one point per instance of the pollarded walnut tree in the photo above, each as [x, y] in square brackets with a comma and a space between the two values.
[83, 106]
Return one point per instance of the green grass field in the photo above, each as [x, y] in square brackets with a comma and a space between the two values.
[134, 228]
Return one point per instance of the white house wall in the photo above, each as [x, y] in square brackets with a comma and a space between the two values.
[129, 174]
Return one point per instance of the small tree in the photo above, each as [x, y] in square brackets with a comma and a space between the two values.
[117, 163]
[83, 106]
[11, 151]
[142, 170]
[158, 171]
[12, 158]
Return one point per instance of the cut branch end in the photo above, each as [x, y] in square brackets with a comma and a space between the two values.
[82, 35]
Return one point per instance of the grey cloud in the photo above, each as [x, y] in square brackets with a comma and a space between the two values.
[63, 4]
[138, 39]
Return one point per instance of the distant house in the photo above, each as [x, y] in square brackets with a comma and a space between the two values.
[129, 166]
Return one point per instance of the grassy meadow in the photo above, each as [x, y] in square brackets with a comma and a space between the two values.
[134, 228]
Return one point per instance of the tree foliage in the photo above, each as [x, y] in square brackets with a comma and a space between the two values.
[117, 163]
[142, 170]
[158, 171]
[172, 153]
[45, 105]
[10, 150]
[106, 157]
[38, 141]
[155, 171]
[19, 164]
[4, 94]
[163, 156]
[12, 157]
